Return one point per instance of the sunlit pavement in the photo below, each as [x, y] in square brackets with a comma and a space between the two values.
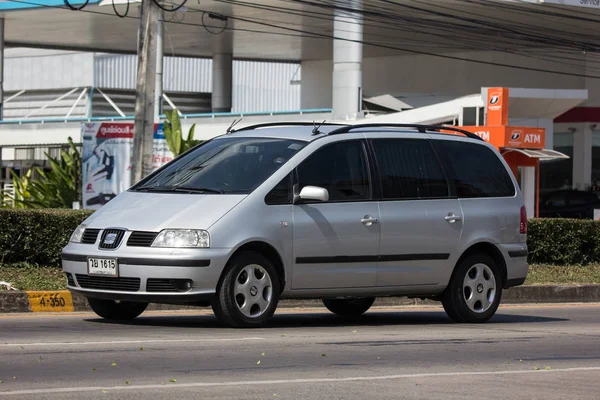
[526, 352]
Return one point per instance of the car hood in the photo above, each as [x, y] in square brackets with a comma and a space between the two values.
[156, 211]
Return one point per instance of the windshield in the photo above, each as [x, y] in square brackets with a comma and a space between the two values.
[224, 165]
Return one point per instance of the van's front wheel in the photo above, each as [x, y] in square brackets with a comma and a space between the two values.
[248, 294]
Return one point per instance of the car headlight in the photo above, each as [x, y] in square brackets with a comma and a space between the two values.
[78, 234]
[182, 238]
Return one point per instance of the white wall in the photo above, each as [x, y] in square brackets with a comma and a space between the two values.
[430, 75]
[48, 133]
[47, 70]
[592, 84]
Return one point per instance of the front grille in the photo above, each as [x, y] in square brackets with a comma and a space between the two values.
[90, 236]
[105, 283]
[167, 285]
[70, 280]
[111, 238]
[141, 239]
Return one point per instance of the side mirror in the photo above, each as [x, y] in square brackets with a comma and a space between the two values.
[314, 193]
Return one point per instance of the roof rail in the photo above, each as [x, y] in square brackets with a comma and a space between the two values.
[268, 124]
[420, 128]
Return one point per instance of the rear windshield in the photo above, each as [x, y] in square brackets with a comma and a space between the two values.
[224, 165]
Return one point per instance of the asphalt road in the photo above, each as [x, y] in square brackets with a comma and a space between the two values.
[546, 352]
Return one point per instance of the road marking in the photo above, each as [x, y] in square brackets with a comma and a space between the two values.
[50, 301]
[288, 381]
[131, 342]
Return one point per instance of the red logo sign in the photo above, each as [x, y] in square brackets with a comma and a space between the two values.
[115, 130]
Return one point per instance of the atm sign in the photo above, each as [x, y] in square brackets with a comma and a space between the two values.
[534, 138]
[525, 137]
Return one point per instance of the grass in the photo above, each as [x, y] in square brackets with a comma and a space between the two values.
[565, 275]
[33, 277]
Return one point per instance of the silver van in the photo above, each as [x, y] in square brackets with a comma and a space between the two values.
[342, 213]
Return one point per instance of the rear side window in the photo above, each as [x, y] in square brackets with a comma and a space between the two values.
[409, 169]
[475, 170]
[341, 168]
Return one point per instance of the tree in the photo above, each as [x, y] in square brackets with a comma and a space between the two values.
[57, 188]
[174, 134]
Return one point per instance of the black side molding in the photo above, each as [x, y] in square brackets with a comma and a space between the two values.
[518, 253]
[164, 263]
[362, 259]
[144, 261]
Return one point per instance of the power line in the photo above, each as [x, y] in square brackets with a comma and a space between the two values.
[305, 33]
[420, 52]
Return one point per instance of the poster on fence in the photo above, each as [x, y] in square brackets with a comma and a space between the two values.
[107, 156]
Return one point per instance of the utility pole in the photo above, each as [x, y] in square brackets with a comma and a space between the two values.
[145, 91]
[1, 69]
[160, 49]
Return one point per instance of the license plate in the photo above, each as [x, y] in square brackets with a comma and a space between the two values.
[103, 266]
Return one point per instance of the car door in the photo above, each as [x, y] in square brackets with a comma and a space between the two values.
[420, 224]
[555, 205]
[581, 204]
[336, 242]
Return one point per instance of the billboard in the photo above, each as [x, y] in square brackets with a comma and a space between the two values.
[107, 157]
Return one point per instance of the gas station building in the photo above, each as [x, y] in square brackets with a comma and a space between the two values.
[524, 75]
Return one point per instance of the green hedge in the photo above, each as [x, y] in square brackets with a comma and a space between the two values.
[563, 241]
[36, 236]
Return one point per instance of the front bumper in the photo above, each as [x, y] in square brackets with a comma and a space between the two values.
[147, 275]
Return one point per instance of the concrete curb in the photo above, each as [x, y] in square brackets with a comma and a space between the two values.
[64, 301]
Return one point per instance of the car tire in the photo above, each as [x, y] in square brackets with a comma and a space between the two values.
[118, 311]
[248, 292]
[349, 307]
[475, 290]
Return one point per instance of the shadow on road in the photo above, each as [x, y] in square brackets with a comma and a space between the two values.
[285, 319]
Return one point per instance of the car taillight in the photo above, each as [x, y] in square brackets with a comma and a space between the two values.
[523, 229]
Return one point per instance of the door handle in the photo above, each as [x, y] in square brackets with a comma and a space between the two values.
[369, 220]
[452, 218]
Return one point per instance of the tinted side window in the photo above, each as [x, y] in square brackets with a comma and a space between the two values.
[341, 168]
[409, 169]
[476, 170]
[281, 193]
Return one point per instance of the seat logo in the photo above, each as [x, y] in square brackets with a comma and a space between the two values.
[110, 239]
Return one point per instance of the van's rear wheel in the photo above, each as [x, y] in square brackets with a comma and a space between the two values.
[248, 294]
[116, 310]
[349, 307]
[475, 291]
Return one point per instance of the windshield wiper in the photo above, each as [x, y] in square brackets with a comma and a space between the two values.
[181, 189]
[196, 190]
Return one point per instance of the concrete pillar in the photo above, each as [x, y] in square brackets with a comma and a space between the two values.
[582, 156]
[1, 68]
[548, 124]
[347, 61]
[222, 72]
[160, 52]
[528, 176]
